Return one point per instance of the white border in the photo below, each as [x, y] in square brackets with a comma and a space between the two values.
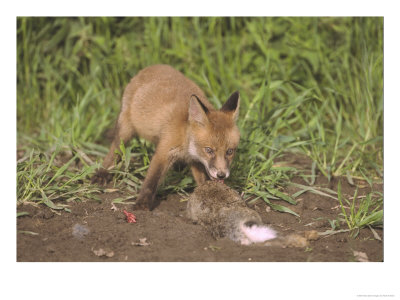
[199, 280]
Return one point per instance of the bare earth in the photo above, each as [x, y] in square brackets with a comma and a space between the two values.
[94, 231]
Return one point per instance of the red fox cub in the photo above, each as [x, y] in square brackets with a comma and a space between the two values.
[162, 106]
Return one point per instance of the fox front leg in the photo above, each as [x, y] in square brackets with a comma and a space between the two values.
[199, 173]
[159, 165]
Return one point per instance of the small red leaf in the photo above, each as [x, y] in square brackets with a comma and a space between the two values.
[130, 217]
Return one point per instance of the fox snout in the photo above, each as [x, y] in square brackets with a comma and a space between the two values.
[221, 175]
[218, 174]
[217, 167]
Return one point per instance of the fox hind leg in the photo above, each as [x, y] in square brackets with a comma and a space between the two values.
[122, 133]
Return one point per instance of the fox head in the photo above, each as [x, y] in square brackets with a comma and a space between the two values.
[213, 135]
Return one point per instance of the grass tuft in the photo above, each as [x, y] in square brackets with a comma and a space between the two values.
[367, 213]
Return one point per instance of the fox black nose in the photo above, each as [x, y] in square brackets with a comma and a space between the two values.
[221, 175]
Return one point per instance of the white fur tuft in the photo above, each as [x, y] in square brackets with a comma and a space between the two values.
[258, 233]
[192, 149]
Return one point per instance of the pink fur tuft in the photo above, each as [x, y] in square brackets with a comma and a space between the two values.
[258, 234]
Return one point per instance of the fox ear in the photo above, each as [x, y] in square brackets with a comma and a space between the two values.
[232, 105]
[197, 111]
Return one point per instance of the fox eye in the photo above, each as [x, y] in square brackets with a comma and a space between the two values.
[209, 150]
[229, 151]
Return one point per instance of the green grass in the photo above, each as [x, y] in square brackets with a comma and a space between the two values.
[43, 178]
[308, 85]
[368, 212]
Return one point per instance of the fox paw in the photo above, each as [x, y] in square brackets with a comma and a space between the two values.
[144, 203]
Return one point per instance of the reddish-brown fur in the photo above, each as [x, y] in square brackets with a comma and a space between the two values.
[163, 106]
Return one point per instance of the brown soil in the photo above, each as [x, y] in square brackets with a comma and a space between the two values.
[92, 231]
